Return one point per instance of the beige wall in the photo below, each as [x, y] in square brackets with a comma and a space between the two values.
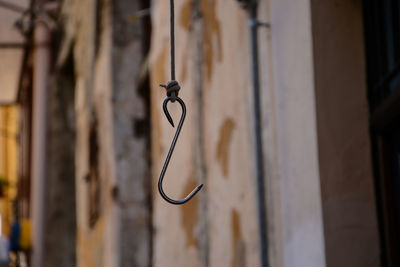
[291, 92]
[224, 123]
[219, 226]
[315, 173]
[318, 166]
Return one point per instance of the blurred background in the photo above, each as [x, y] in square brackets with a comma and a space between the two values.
[292, 126]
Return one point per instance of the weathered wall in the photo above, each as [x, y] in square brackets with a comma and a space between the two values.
[112, 133]
[120, 222]
[299, 221]
[219, 226]
[350, 222]
[131, 131]
[78, 42]
[60, 221]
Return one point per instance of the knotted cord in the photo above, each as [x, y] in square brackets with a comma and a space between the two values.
[172, 86]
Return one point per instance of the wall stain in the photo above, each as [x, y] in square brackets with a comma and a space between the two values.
[185, 21]
[224, 141]
[156, 146]
[90, 242]
[158, 73]
[211, 27]
[238, 245]
[190, 215]
[186, 14]
[184, 66]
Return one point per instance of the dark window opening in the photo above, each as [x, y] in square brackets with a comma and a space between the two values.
[382, 35]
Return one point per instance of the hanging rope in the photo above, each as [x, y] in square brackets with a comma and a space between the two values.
[172, 26]
[173, 88]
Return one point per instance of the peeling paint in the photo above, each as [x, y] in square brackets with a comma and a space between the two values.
[211, 27]
[190, 215]
[156, 144]
[185, 22]
[238, 246]
[92, 241]
[224, 141]
[157, 130]
[158, 75]
[158, 71]
[184, 66]
[186, 14]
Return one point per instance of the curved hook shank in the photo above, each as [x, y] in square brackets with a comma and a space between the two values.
[171, 150]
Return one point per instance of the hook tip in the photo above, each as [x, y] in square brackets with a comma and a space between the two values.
[171, 122]
[166, 112]
[196, 190]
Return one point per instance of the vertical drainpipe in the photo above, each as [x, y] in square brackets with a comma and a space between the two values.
[41, 71]
[258, 142]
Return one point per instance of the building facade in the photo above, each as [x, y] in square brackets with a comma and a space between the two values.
[98, 136]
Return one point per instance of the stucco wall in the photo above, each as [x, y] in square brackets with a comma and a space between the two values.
[112, 135]
[218, 88]
[301, 131]
[291, 62]
[219, 226]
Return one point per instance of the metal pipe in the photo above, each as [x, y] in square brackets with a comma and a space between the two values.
[41, 71]
[258, 143]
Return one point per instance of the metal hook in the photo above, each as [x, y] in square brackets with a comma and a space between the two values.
[178, 130]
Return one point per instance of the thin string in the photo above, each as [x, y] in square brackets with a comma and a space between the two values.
[172, 25]
[172, 86]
